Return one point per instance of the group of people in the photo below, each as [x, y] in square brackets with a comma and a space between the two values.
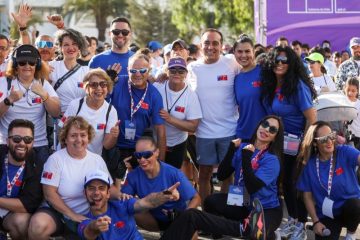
[253, 118]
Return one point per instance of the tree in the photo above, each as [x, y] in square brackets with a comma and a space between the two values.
[101, 10]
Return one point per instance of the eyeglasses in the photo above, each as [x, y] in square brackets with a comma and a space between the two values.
[18, 139]
[141, 70]
[144, 154]
[324, 139]
[23, 63]
[176, 70]
[272, 129]
[94, 85]
[43, 44]
[2, 48]
[282, 59]
[124, 32]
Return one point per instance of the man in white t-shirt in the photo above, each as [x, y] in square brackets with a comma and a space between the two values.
[212, 77]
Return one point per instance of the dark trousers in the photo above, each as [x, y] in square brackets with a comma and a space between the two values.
[216, 204]
[348, 218]
[175, 155]
[191, 148]
[124, 153]
[294, 204]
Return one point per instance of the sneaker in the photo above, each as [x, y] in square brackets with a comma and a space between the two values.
[350, 236]
[299, 232]
[287, 229]
[256, 221]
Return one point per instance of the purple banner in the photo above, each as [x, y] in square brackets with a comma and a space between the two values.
[312, 21]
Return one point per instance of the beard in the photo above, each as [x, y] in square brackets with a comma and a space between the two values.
[16, 156]
[356, 57]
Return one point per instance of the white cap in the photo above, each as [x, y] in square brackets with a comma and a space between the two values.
[97, 175]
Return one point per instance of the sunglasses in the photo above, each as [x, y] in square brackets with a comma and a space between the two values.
[23, 63]
[324, 139]
[176, 70]
[18, 139]
[144, 154]
[141, 70]
[94, 85]
[282, 59]
[272, 129]
[43, 44]
[123, 32]
[311, 62]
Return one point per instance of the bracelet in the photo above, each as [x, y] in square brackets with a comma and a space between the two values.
[22, 29]
[47, 97]
[316, 223]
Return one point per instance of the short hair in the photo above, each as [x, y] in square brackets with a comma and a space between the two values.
[100, 73]
[74, 35]
[120, 19]
[327, 50]
[214, 30]
[306, 46]
[296, 42]
[21, 123]
[282, 38]
[78, 122]
[2, 36]
[95, 39]
[137, 56]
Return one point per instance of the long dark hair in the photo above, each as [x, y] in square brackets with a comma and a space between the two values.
[296, 72]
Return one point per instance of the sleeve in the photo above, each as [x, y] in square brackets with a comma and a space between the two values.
[128, 186]
[351, 154]
[50, 89]
[269, 169]
[304, 182]
[52, 172]
[225, 168]
[341, 77]
[82, 226]
[70, 111]
[92, 63]
[3, 89]
[252, 182]
[113, 118]
[130, 206]
[194, 106]
[186, 190]
[304, 99]
[157, 106]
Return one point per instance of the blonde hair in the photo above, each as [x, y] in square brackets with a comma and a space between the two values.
[78, 122]
[43, 73]
[98, 72]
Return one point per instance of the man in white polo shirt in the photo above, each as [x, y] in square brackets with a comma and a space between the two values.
[212, 77]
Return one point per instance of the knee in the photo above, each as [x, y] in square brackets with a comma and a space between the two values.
[18, 225]
[39, 227]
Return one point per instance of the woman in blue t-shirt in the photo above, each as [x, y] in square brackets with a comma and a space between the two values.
[287, 92]
[328, 181]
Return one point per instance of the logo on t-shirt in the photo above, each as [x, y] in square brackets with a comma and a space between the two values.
[339, 171]
[80, 85]
[256, 84]
[144, 105]
[222, 78]
[18, 183]
[47, 175]
[254, 165]
[100, 126]
[1, 94]
[180, 109]
[2, 74]
[63, 119]
[36, 100]
[280, 97]
[119, 224]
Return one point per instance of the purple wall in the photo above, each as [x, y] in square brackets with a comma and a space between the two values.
[312, 21]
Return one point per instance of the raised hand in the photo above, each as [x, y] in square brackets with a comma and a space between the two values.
[15, 95]
[57, 20]
[38, 89]
[114, 131]
[23, 16]
[102, 223]
[172, 193]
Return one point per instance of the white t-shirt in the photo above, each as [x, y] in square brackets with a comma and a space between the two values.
[355, 125]
[72, 87]
[330, 67]
[29, 107]
[324, 81]
[96, 118]
[68, 175]
[184, 105]
[3, 67]
[214, 85]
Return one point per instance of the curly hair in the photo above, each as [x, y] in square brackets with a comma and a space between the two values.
[100, 73]
[296, 72]
[74, 35]
[78, 122]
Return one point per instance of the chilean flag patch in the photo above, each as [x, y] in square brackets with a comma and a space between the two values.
[222, 78]
[256, 84]
[100, 126]
[339, 171]
[80, 85]
[47, 175]
[1, 94]
[119, 224]
[36, 100]
[180, 109]
[144, 105]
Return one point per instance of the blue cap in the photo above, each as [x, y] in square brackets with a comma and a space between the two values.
[154, 45]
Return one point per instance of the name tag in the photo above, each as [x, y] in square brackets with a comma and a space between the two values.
[235, 196]
[130, 130]
[327, 207]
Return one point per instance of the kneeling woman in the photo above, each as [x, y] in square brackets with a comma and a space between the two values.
[328, 181]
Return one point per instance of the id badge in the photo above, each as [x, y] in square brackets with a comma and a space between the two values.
[3, 212]
[327, 207]
[130, 130]
[235, 196]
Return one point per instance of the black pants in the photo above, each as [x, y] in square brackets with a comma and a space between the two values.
[124, 153]
[191, 148]
[175, 155]
[294, 204]
[216, 204]
[348, 218]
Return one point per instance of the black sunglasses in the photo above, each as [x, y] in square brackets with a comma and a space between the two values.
[144, 154]
[282, 59]
[23, 63]
[94, 85]
[176, 70]
[18, 139]
[124, 32]
[311, 62]
[272, 129]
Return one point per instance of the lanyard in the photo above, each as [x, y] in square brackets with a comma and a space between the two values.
[254, 161]
[331, 173]
[134, 110]
[10, 185]
[167, 104]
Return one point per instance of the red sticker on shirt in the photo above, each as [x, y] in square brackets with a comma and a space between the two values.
[280, 97]
[1, 94]
[36, 100]
[180, 109]
[256, 84]
[100, 126]
[2, 74]
[119, 224]
[339, 171]
[18, 183]
[47, 175]
[144, 105]
[254, 165]
[80, 85]
[222, 78]
[63, 119]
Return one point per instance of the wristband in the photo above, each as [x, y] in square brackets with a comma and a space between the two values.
[46, 98]
[316, 223]
[22, 29]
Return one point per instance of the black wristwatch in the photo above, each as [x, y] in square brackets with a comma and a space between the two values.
[7, 102]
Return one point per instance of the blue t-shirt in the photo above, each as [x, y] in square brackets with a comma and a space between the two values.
[291, 110]
[123, 225]
[137, 183]
[147, 115]
[267, 170]
[344, 183]
[251, 111]
[108, 58]
[3, 182]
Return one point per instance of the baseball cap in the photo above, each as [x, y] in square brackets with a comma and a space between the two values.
[179, 41]
[316, 57]
[355, 41]
[177, 62]
[167, 48]
[26, 52]
[154, 45]
[97, 175]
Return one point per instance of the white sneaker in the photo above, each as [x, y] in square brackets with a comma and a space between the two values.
[287, 229]
[350, 237]
[299, 232]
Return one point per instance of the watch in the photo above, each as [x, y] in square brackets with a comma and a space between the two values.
[7, 102]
